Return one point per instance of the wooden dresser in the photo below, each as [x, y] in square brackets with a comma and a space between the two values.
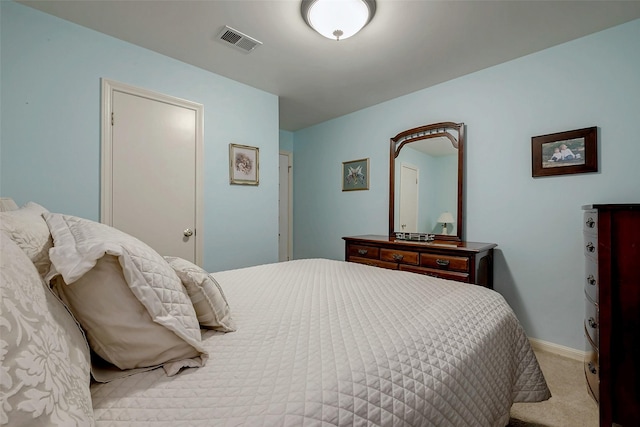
[468, 262]
[612, 318]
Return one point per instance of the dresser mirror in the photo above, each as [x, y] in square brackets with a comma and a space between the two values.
[426, 181]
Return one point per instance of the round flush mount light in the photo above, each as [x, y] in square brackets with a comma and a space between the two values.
[337, 19]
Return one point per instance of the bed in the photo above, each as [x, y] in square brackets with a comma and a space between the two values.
[320, 342]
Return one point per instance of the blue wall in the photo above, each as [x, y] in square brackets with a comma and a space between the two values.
[50, 148]
[537, 223]
[50, 128]
[437, 189]
[286, 141]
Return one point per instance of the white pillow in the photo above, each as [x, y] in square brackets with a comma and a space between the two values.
[27, 228]
[206, 295]
[44, 358]
[7, 204]
[131, 303]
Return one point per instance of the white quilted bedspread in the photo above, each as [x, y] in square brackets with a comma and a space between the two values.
[323, 343]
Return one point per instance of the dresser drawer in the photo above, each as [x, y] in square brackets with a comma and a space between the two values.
[591, 279]
[591, 320]
[590, 222]
[374, 262]
[443, 274]
[445, 262]
[364, 251]
[468, 262]
[592, 372]
[403, 257]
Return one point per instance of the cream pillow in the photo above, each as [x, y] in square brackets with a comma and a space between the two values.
[206, 295]
[131, 303]
[7, 204]
[44, 358]
[118, 327]
[28, 229]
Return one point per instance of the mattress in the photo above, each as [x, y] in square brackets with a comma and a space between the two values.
[324, 343]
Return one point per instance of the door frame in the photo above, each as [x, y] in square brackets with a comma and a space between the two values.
[289, 154]
[106, 144]
[417, 170]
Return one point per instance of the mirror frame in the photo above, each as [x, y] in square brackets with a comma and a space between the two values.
[455, 133]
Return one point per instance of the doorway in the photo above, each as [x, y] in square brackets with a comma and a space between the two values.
[151, 172]
[408, 209]
[285, 205]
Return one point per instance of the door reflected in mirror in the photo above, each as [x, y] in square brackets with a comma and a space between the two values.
[426, 181]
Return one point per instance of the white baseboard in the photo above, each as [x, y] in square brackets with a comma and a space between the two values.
[560, 350]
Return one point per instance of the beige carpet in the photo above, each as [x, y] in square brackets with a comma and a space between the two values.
[570, 404]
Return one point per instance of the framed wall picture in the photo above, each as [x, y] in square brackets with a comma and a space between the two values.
[243, 165]
[563, 153]
[355, 175]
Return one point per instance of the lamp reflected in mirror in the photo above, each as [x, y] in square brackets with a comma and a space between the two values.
[444, 219]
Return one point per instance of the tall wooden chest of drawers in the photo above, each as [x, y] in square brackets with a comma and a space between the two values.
[612, 319]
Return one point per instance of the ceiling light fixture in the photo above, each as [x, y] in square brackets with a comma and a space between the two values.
[337, 19]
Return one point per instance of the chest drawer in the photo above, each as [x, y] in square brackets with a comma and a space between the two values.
[403, 257]
[591, 322]
[445, 262]
[364, 251]
[592, 372]
[590, 222]
[591, 279]
[591, 246]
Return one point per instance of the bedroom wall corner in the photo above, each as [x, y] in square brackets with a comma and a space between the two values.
[536, 222]
[50, 127]
[286, 141]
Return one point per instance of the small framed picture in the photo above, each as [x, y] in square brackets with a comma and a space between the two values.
[563, 153]
[355, 175]
[243, 165]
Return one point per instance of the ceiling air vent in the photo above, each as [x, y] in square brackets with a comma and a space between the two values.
[238, 40]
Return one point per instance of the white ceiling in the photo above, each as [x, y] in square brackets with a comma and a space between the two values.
[409, 45]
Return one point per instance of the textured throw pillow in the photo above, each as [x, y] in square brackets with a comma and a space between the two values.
[44, 358]
[131, 303]
[206, 295]
[27, 228]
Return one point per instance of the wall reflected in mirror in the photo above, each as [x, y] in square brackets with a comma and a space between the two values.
[426, 186]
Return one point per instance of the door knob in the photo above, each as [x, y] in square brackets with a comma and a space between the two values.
[188, 232]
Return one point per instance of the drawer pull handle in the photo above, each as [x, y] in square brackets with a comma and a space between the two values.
[592, 368]
[591, 223]
[591, 280]
[442, 262]
[397, 257]
[592, 323]
[362, 251]
[590, 247]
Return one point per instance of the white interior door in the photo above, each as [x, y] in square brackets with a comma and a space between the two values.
[285, 203]
[153, 191]
[408, 210]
